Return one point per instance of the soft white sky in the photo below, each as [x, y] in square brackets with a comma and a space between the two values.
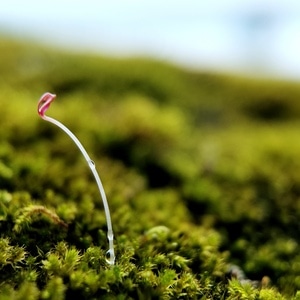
[257, 36]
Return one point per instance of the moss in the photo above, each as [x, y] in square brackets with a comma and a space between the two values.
[201, 173]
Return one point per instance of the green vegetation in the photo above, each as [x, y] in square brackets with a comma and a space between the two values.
[201, 171]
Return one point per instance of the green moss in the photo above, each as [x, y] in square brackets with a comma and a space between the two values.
[201, 173]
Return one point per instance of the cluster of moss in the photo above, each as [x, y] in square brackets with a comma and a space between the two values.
[201, 172]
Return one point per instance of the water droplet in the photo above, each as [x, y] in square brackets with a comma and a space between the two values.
[91, 163]
[108, 258]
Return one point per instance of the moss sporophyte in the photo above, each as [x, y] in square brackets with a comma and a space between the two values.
[43, 105]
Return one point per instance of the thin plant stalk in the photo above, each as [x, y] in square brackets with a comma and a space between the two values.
[43, 105]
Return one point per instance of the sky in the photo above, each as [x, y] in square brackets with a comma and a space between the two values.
[260, 37]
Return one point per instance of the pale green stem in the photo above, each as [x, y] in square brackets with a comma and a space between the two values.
[110, 236]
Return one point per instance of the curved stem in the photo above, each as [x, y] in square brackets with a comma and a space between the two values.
[44, 104]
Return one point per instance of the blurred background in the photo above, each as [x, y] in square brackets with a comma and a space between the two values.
[190, 110]
[253, 37]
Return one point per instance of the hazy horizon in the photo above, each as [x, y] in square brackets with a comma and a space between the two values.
[258, 37]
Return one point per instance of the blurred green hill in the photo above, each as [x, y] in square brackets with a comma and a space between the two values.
[201, 170]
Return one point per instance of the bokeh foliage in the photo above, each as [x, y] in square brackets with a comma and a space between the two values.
[201, 172]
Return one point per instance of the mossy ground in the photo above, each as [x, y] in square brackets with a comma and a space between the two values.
[201, 172]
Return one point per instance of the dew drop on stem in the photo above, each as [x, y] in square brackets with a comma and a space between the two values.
[91, 163]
